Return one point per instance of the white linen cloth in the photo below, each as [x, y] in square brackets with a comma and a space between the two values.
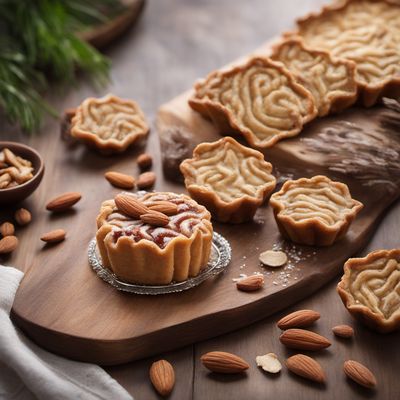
[29, 372]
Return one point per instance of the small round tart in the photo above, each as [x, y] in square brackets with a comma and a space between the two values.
[110, 124]
[229, 179]
[370, 289]
[143, 249]
[315, 212]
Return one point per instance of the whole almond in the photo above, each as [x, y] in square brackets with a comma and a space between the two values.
[359, 373]
[7, 229]
[146, 180]
[162, 376]
[165, 207]
[155, 218]
[298, 319]
[55, 236]
[63, 202]
[130, 206]
[8, 244]
[303, 340]
[224, 363]
[22, 216]
[120, 180]
[251, 283]
[306, 367]
[145, 161]
[343, 331]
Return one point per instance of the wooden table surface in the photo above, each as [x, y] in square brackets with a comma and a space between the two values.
[174, 43]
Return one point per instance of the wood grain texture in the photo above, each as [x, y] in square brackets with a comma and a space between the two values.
[183, 39]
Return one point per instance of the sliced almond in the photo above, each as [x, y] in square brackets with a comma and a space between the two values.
[359, 373]
[298, 319]
[162, 376]
[343, 331]
[129, 205]
[273, 258]
[306, 367]
[224, 363]
[63, 202]
[251, 283]
[22, 216]
[146, 180]
[269, 363]
[7, 229]
[303, 340]
[165, 207]
[120, 180]
[145, 161]
[155, 218]
[8, 244]
[55, 236]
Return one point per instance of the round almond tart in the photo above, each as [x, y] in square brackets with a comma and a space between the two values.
[140, 252]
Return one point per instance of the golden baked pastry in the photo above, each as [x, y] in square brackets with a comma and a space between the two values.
[141, 246]
[260, 100]
[315, 211]
[370, 289]
[229, 179]
[331, 82]
[366, 32]
[110, 124]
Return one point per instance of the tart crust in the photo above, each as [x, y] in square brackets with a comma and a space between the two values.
[259, 100]
[110, 124]
[315, 211]
[142, 260]
[229, 179]
[370, 289]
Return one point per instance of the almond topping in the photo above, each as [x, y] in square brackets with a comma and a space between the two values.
[273, 258]
[224, 363]
[251, 283]
[145, 161]
[162, 377]
[343, 331]
[120, 180]
[129, 205]
[146, 180]
[55, 236]
[166, 207]
[22, 216]
[306, 367]
[7, 229]
[155, 218]
[303, 340]
[8, 244]
[63, 202]
[359, 373]
[298, 319]
[269, 363]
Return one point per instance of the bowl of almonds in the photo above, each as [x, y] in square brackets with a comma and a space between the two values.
[21, 170]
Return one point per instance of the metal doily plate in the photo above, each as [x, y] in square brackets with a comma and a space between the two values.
[220, 258]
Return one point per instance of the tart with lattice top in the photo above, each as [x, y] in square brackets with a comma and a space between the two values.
[154, 238]
[315, 211]
[109, 124]
[370, 289]
[331, 82]
[229, 179]
[260, 100]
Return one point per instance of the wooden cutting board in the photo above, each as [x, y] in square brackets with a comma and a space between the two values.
[62, 304]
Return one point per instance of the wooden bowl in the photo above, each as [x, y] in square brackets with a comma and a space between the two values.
[21, 192]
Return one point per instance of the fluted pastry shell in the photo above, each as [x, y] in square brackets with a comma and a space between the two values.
[366, 32]
[260, 100]
[331, 82]
[134, 252]
[109, 124]
[315, 211]
[229, 179]
[370, 289]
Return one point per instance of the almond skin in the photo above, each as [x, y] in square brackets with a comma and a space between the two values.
[8, 244]
[251, 283]
[359, 373]
[224, 363]
[165, 207]
[23, 216]
[306, 367]
[7, 229]
[343, 331]
[146, 180]
[63, 202]
[162, 376]
[130, 206]
[144, 161]
[303, 340]
[155, 218]
[120, 180]
[298, 319]
[55, 236]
